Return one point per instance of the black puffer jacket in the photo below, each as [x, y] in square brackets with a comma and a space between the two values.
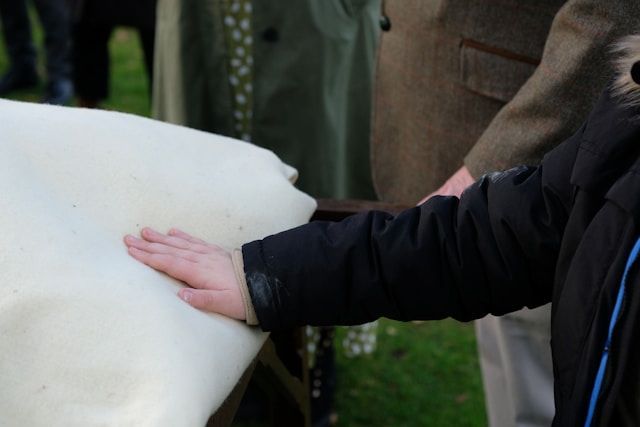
[562, 232]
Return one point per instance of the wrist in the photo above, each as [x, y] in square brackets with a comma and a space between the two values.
[238, 267]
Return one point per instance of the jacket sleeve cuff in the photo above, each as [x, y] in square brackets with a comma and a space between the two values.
[238, 266]
[478, 164]
[266, 291]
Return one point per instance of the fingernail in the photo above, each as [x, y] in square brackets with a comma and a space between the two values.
[186, 295]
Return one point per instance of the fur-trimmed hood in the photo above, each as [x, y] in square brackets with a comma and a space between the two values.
[627, 82]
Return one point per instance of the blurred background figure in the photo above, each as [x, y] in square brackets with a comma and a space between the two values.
[295, 77]
[16, 29]
[292, 76]
[93, 24]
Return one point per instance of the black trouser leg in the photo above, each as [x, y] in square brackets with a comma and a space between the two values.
[147, 40]
[91, 61]
[54, 16]
[17, 35]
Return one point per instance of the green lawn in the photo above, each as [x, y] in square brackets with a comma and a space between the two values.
[423, 374]
[128, 86]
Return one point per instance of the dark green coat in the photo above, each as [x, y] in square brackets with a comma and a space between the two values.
[312, 82]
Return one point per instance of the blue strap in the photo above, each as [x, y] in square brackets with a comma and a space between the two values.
[595, 393]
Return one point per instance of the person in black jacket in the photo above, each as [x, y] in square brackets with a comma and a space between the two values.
[566, 231]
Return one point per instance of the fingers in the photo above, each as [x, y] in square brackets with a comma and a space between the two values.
[151, 235]
[176, 267]
[181, 234]
[160, 248]
[214, 301]
[206, 268]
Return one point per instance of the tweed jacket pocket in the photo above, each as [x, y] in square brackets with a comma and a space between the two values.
[493, 72]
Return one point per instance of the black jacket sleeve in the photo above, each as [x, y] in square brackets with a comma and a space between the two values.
[493, 250]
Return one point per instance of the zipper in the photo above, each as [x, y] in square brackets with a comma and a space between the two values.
[597, 386]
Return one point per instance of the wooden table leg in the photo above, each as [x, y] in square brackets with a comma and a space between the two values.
[227, 411]
[281, 370]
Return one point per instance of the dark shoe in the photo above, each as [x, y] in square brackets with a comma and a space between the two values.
[59, 92]
[16, 79]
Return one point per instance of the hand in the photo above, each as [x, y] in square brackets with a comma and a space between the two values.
[454, 186]
[206, 268]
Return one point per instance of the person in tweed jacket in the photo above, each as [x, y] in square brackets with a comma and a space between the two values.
[467, 87]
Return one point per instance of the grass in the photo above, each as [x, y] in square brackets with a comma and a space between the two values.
[129, 91]
[423, 374]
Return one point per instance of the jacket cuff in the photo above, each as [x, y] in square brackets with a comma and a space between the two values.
[238, 267]
[266, 291]
[479, 162]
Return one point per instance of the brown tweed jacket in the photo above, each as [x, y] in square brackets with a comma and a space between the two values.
[491, 83]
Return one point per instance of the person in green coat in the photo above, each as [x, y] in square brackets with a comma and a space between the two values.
[292, 76]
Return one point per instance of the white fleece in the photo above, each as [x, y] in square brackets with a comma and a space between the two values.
[88, 336]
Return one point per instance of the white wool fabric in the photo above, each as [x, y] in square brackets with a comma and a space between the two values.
[89, 336]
